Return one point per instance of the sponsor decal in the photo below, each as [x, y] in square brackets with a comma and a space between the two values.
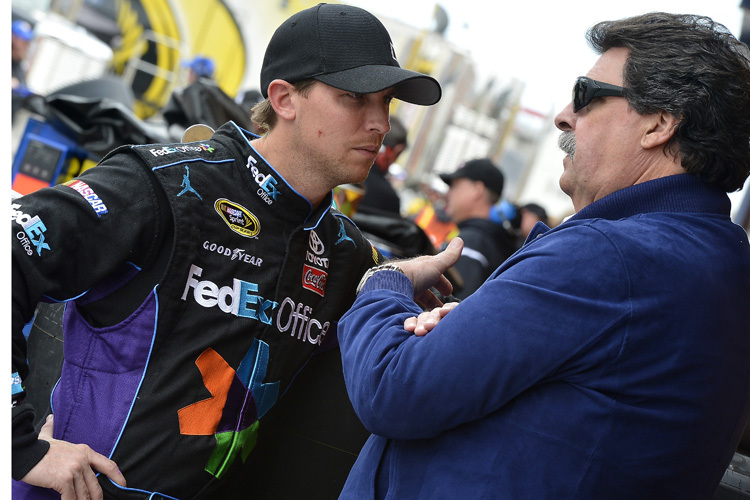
[238, 218]
[316, 245]
[267, 190]
[318, 261]
[89, 195]
[186, 187]
[16, 386]
[234, 254]
[168, 150]
[33, 230]
[314, 279]
[374, 254]
[342, 235]
[238, 400]
[237, 300]
[295, 318]
[317, 249]
[241, 300]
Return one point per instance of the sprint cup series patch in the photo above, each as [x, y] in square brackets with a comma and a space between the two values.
[239, 219]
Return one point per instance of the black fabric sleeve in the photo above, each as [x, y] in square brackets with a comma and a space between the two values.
[77, 238]
[472, 271]
[27, 449]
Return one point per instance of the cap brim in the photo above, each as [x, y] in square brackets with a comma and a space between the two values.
[410, 86]
[447, 178]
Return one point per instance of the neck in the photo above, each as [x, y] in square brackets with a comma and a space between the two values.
[295, 172]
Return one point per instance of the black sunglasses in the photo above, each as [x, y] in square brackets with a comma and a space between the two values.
[586, 89]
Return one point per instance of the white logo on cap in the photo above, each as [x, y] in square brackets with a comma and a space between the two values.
[393, 52]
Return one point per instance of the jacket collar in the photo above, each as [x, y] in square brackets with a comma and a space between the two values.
[674, 193]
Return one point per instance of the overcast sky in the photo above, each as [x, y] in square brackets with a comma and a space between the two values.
[540, 42]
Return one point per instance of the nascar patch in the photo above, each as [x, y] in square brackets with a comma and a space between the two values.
[89, 195]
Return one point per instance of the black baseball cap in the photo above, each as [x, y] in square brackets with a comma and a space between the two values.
[345, 47]
[482, 170]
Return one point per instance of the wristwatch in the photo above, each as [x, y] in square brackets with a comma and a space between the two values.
[370, 272]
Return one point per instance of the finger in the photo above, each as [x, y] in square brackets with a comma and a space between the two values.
[448, 307]
[452, 252]
[67, 491]
[81, 488]
[428, 300]
[92, 485]
[444, 286]
[107, 467]
[410, 324]
[45, 432]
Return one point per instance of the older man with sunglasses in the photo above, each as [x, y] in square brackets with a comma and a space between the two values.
[610, 356]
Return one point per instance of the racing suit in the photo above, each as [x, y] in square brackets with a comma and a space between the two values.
[198, 284]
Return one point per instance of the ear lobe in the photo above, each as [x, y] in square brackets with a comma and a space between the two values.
[660, 130]
[280, 95]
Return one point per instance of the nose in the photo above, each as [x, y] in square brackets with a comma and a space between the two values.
[380, 118]
[565, 119]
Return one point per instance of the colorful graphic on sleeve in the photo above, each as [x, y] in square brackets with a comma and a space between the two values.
[238, 400]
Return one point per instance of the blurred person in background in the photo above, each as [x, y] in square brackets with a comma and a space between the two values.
[474, 189]
[531, 213]
[202, 101]
[200, 67]
[609, 357]
[21, 36]
[380, 195]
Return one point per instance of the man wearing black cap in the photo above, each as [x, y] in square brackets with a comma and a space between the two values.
[474, 189]
[198, 307]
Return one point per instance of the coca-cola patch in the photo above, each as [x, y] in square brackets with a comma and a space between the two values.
[314, 279]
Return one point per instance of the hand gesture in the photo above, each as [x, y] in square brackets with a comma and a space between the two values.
[427, 320]
[427, 271]
[69, 468]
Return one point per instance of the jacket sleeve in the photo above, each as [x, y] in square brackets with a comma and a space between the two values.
[514, 332]
[473, 265]
[63, 240]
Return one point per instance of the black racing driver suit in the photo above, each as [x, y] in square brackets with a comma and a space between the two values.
[198, 283]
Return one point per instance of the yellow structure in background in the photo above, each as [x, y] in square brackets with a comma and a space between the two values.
[158, 36]
[213, 32]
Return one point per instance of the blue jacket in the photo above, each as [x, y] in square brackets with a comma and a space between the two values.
[607, 358]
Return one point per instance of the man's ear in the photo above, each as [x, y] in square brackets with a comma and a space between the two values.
[280, 93]
[660, 129]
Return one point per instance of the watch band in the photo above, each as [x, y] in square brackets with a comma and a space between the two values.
[370, 272]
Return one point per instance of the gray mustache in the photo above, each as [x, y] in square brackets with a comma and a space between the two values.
[567, 142]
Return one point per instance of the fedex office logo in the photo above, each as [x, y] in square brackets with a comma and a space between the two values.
[238, 299]
[267, 182]
[168, 150]
[296, 318]
[33, 230]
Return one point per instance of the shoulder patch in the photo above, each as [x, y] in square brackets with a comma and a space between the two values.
[163, 155]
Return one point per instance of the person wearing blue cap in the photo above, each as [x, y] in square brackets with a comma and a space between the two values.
[200, 67]
[22, 34]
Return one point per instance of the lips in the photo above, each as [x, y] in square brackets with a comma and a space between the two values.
[370, 149]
